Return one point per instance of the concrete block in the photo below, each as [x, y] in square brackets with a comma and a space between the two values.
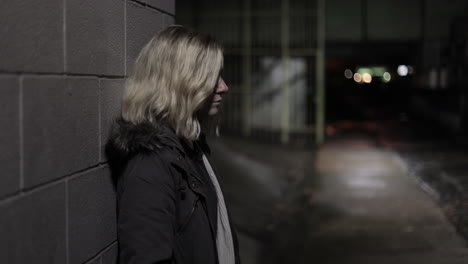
[110, 256]
[165, 5]
[32, 36]
[168, 20]
[91, 214]
[142, 25]
[32, 227]
[9, 135]
[60, 123]
[95, 37]
[110, 94]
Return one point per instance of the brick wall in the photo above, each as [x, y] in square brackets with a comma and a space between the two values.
[62, 69]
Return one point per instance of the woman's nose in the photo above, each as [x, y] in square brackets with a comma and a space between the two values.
[222, 86]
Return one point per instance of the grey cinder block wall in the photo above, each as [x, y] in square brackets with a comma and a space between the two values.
[63, 65]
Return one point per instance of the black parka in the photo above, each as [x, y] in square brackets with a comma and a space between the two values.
[167, 205]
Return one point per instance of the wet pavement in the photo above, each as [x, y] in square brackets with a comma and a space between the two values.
[374, 213]
[351, 201]
[441, 169]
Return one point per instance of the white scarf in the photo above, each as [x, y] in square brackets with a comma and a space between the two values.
[224, 241]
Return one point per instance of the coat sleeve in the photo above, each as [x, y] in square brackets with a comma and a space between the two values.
[146, 216]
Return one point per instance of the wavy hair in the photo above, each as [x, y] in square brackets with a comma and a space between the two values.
[175, 72]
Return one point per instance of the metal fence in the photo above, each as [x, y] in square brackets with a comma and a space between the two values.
[272, 59]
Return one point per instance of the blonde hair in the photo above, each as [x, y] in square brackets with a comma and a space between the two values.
[175, 72]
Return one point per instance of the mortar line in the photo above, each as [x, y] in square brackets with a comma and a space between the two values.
[99, 120]
[143, 4]
[55, 74]
[18, 195]
[125, 37]
[67, 233]
[21, 133]
[45, 185]
[102, 251]
[64, 37]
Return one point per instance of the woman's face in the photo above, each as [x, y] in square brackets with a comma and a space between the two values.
[214, 101]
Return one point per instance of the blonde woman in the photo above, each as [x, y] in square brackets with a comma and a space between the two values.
[171, 208]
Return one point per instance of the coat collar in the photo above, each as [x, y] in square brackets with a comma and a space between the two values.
[197, 148]
[127, 139]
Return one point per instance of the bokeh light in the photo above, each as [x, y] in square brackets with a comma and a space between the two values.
[386, 77]
[348, 74]
[357, 77]
[402, 70]
[367, 78]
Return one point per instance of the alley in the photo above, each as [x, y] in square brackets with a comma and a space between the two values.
[374, 213]
[348, 202]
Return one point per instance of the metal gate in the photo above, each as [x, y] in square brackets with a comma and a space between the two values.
[273, 64]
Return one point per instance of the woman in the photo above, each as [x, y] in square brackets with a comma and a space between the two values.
[170, 206]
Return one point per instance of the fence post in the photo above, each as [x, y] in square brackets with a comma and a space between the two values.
[285, 63]
[247, 70]
[320, 74]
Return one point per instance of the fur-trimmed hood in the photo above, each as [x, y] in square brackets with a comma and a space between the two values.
[127, 139]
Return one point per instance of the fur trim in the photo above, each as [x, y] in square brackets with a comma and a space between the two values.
[127, 139]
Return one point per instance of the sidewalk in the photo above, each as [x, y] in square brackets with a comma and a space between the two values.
[370, 211]
[442, 171]
[356, 205]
